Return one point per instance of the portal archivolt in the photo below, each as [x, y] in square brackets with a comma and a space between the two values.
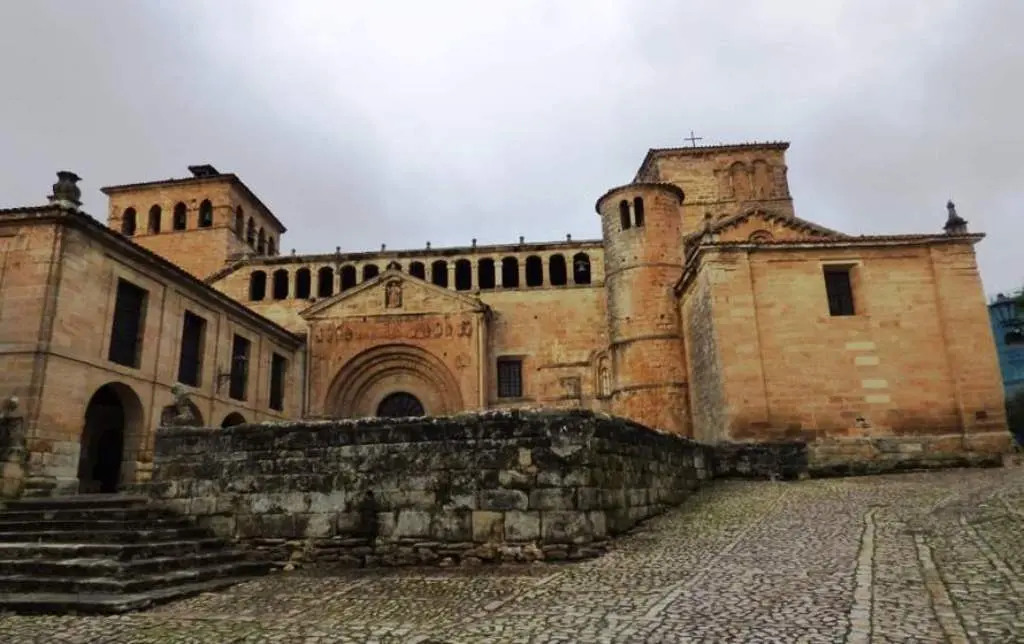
[373, 376]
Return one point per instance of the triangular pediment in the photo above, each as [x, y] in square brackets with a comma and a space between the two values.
[763, 226]
[393, 293]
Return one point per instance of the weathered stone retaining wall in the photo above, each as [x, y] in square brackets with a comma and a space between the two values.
[494, 486]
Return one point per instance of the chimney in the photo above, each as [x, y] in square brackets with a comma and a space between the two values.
[66, 192]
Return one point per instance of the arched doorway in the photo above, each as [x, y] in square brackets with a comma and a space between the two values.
[368, 383]
[232, 419]
[112, 418]
[400, 405]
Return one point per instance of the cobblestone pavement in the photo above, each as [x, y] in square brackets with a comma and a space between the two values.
[936, 557]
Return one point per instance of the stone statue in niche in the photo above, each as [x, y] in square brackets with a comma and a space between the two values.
[604, 379]
[393, 295]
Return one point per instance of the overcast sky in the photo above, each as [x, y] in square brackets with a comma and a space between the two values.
[399, 122]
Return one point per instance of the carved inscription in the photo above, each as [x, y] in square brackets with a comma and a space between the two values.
[392, 330]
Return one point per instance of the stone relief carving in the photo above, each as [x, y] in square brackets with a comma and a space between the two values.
[571, 386]
[393, 295]
[329, 333]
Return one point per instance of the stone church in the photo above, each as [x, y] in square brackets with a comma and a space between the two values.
[706, 308]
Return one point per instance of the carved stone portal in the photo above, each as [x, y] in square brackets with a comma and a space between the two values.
[393, 295]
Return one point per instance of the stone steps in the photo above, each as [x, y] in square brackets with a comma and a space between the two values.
[118, 551]
[116, 535]
[108, 553]
[55, 604]
[62, 525]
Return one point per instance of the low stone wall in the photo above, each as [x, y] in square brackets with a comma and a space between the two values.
[775, 460]
[881, 455]
[494, 486]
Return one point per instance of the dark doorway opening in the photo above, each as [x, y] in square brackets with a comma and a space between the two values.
[99, 462]
[400, 405]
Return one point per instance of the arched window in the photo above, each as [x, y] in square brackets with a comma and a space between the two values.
[509, 272]
[128, 222]
[557, 273]
[250, 232]
[485, 273]
[534, 271]
[180, 219]
[325, 282]
[439, 273]
[240, 222]
[463, 275]
[348, 277]
[370, 271]
[417, 269]
[624, 214]
[271, 246]
[638, 211]
[581, 268]
[205, 214]
[303, 283]
[154, 219]
[261, 242]
[280, 284]
[257, 286]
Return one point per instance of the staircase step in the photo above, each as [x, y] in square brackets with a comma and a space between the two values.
[63, 603]
[86, 535]
[108, 567]
[118, 551]
[13, 584]
[108, 554]
[78, 501]
[137, 513]
[7, 525]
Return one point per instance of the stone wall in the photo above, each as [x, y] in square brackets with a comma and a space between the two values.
[494, 486]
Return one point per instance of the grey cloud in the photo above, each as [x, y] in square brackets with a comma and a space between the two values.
[398, 123]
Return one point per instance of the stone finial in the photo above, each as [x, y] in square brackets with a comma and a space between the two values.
[522, 239]
[474, 242]
[293, 252]
[955, 224]
[428, 245]
[568, 237]
[66, 191]
[383, 247]
[337, 250]
[394, 266]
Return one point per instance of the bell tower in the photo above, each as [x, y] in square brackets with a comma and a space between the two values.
[643, 253]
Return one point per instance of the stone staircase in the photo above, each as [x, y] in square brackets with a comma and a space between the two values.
[108, 554]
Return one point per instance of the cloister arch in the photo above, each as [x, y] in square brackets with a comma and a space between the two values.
[365, 381]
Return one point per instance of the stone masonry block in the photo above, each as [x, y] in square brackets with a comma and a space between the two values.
[522, 526]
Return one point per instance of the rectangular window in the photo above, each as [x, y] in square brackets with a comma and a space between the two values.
[239, 368]
[840, 290]
[278, 369]
[193, 339]
[510, 378]
[126, 330]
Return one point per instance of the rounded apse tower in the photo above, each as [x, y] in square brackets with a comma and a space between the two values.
[643, 256]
